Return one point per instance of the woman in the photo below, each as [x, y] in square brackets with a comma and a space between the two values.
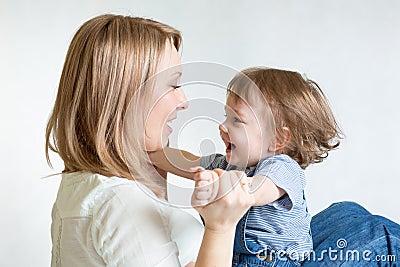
[111, 109]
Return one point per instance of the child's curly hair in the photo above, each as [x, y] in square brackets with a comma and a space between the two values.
[297, 104]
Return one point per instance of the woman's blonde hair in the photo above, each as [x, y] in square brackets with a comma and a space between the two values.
[109, 60]
[297, 104]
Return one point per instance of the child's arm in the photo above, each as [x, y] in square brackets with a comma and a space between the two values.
[265, 190]
[175, 161]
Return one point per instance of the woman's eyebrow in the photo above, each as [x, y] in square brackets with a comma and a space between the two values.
[176, 74]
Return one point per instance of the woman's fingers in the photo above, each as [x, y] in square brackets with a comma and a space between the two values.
[215, 185]
[245, 182]
[225, 184]
[220, 172]
[228, 180]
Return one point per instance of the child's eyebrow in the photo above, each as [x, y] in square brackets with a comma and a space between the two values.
[235, 111]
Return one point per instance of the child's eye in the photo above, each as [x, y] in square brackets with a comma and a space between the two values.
[237, 120]
[175, 87]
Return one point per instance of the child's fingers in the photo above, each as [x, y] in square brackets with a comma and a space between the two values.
[206, 186]
[196, 169]
[203, 195]
[201, 184]
[201, 198]
[196, 203]
[203, 175]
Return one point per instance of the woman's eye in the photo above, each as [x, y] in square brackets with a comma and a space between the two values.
[175, 87]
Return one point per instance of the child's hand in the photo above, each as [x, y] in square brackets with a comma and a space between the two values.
[206, 186]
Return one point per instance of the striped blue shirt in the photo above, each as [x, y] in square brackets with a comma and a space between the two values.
[283, 225]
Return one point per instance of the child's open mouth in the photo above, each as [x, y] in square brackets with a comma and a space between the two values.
[230, 147]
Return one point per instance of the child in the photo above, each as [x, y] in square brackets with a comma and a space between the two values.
[277, 123]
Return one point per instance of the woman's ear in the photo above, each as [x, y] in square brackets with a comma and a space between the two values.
[281, 141]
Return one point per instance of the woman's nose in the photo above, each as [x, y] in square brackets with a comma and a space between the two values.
[183, 102]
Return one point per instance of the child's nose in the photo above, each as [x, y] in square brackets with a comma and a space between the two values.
[222, 128]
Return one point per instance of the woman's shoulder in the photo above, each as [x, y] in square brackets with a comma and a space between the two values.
[82, 192]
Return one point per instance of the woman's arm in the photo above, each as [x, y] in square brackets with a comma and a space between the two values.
[220, 217]
[175, 161]
[216, 248]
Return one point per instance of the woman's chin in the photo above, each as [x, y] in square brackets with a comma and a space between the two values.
[165, 138]
[164, 144]
[164, 141]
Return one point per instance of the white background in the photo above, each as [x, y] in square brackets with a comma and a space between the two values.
[351, 48]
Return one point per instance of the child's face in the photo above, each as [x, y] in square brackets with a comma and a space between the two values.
[247, 135]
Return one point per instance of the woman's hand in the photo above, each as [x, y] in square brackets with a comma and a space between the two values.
[221, 197]
[231, 199]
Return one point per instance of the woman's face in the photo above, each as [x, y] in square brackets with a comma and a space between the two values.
[170, 99]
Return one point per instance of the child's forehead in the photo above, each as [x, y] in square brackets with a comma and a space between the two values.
[246, 109]
[237, 101]
[241, 106]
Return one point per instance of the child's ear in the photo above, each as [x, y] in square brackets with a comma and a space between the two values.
[281, 141]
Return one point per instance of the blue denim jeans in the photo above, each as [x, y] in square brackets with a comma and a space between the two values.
[345, 234]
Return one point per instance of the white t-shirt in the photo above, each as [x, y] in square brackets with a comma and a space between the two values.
[102, 221]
